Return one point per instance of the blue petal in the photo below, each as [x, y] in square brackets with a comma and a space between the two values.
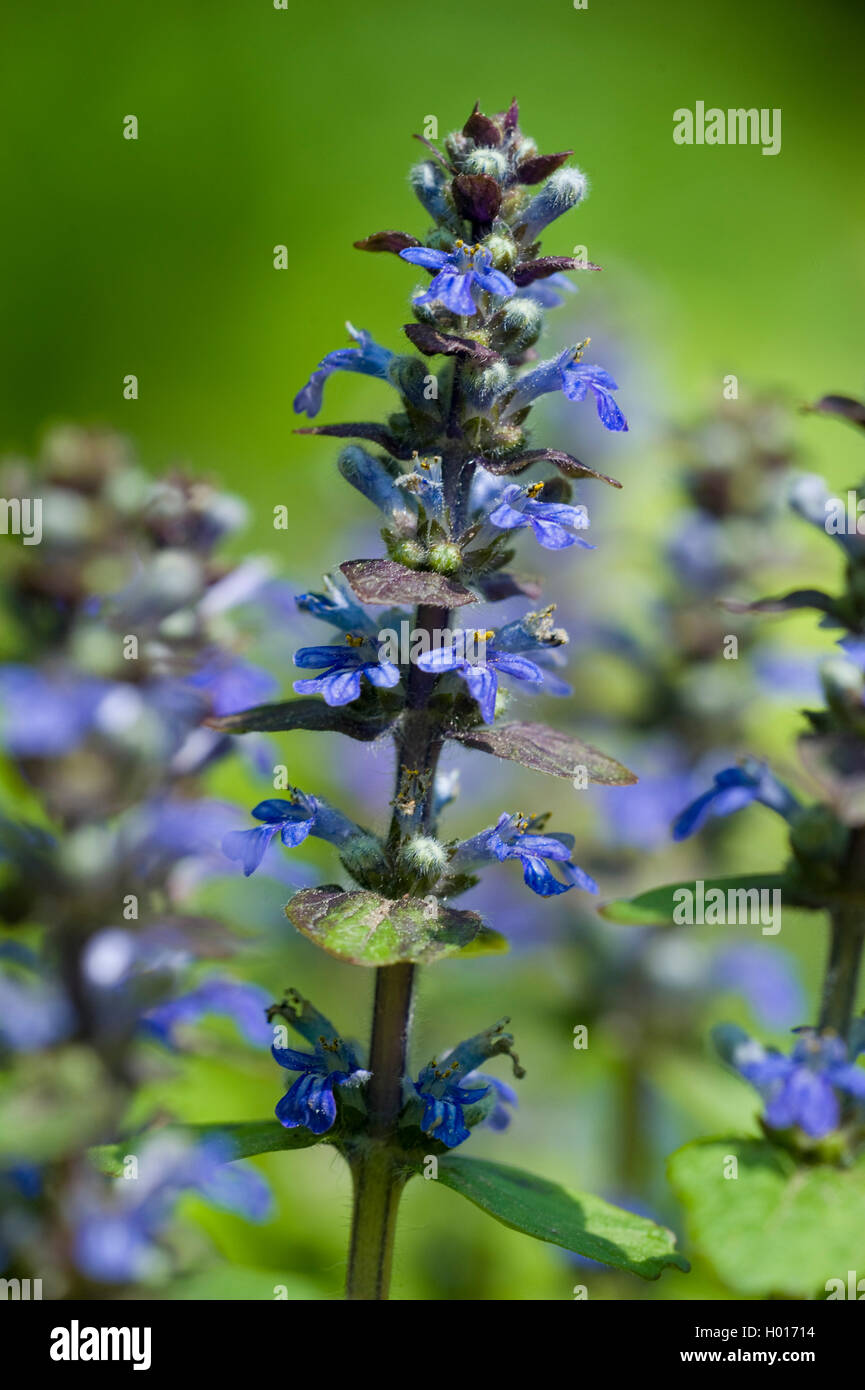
[248, 846]
[494, 282]
[609, 413]
[339, 687]
[518, 666]
[453, 290]
[539, 877]
[382, 673]
[444, 658]
[293, 1060]
[426, 256]
[277, 809]
[318, 657]
[483, 685]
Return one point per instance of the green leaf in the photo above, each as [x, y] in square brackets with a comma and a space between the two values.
[577, 1221]
[778, 1227]
[367, 929]
[656, 908]
[546, 750]
[386, 582]
[363, 720]
[239, 1140]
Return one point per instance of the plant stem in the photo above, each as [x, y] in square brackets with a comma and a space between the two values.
[378, 1180]
[846, 942]
[842, 970]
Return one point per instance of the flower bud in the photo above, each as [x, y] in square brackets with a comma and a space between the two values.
[482, 387]
[422, 856]
[490, 162]
[445, 557]
[364, 858]
[410, 553]
[562, 191]
[502, 249]
[428, 182]
[519, 326]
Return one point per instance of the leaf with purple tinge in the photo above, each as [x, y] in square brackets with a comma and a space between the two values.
[430, 341]
[380, 582]
[387, 241]
[566, 463]
[377, 434]
[544, 266]
[545, 749]
[844, 406]
[362, 720]
[540, 166]
[477, 198]
[784, 603]
[482, 129]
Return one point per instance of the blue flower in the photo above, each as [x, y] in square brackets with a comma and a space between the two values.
[550, 292]
[801, 1090]
[310, 1101]
[339, 684]
[499, 1117]
[33, 1015]
[552, 522]
[765, 977]
[444, 1098]
[480, 675]
[244, 1003]
[516, 837]
[336, 606]
[47, 715]
[292, 821]
[567, 373]
[116, 1232]
[735, 787]
[232, 686]
[368, 358]
[459, 271]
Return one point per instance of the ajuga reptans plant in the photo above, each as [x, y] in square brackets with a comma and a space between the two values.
[448, 471]
[803, 1180]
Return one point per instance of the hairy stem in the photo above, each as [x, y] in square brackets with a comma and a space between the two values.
[842, 970]
[378, 1180]
[846, 942]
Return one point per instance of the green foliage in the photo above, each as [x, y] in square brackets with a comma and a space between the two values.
[239, 1141]
[656, 907]
[367, 929]
[778, 1228]
[577, 1221]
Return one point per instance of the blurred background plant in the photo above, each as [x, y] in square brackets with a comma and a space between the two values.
[130, 258]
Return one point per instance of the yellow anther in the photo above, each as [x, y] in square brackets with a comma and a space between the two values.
[535, 490]
[353, 640]
[580, 349]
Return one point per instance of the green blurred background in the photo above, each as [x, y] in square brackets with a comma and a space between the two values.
[260, 127]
